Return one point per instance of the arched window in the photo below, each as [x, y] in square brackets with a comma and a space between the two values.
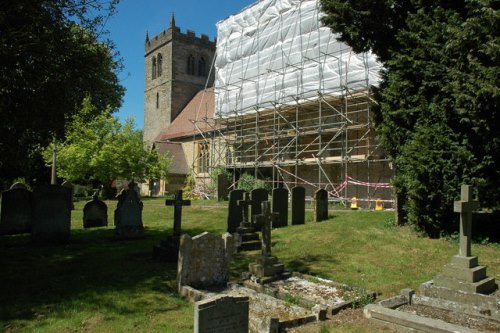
[190, 64]
[201, 67]
[153, 68]
[157, 100]
[203, 157]
[160, 61]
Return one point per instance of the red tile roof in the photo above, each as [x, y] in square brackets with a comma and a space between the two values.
[179, 164]
[198, 111]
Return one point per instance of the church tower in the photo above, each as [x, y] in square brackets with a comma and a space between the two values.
[177, 66]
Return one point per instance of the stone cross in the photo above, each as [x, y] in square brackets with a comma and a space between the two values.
[244, 204]
[177, 203]
[266, 219]
[465, 206]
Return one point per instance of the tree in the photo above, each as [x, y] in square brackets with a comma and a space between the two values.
[438, 100]
[103, 150]
[51, 57]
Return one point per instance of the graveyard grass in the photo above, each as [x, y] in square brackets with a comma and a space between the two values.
[96, 284]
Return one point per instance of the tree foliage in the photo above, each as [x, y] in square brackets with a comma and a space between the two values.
[437, 115]
[102, 150]
[52, 55]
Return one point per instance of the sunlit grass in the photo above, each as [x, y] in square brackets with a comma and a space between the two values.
[97, 284]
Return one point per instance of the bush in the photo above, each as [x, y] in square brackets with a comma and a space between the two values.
[248, 182]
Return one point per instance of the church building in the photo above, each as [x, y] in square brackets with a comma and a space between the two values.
[276, 97]
[177, 71]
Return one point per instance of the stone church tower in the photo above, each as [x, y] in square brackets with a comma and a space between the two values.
[177, 66]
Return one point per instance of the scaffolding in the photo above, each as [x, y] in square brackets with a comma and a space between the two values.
[293, 106]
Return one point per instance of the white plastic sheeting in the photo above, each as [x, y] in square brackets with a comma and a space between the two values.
[277, 51]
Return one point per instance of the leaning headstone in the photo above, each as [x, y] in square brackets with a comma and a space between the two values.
[222, 314]
[280, 206]
[267, 268]
[95, 213]
[321, 205]
[234, 211]
[298, 205]
[257, 195]
[168, 249]
[70, 186]
[204, 261]
[51, 214]
[222, 187]
[128, 214]
[15, 214]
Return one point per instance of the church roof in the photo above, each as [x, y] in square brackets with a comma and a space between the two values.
[199, 108]
[179, 164]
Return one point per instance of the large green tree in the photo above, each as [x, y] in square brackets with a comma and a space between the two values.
[438, 101]
[52, 55]
[102, 149]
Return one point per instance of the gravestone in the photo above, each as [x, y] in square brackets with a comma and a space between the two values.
[16, 210]
[321, 205]
[51, 214]
[267, 268]
[248, 239]
[95, 213]
[222, 314]
[128, 214]
[298, 205]
[18, 185]
[234, 211]
[168, 249]
[71, 187]
[464, 273]
[280, 206]
[258, 195]
[204, 261]
[222, 187]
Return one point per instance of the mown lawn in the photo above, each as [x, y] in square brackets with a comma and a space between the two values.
[96, 284]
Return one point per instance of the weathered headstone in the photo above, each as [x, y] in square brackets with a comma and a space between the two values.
[298, 205]
[168, 249]
[321, 205]
[267, 268]
[71, 187]
[248, 237]
[280, 206]
[128, 214]
[234, 211]
[16, 210]
[222, 187]
[51, 214]
[258, 195]
[222, 314]
[204, 261]
[95, 213]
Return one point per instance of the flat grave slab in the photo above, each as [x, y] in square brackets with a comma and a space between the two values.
[309, 291]
[418, 313]
[266, 313]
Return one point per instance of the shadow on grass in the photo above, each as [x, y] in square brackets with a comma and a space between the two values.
[304, 264]
[93, 271]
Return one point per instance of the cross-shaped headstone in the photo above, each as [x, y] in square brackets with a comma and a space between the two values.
[177, 203]
[244, 204]
[465, 206]
[266, 219]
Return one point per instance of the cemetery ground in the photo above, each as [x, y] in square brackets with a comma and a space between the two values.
[97, 284]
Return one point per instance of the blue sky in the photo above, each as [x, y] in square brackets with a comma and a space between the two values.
[128, 30]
